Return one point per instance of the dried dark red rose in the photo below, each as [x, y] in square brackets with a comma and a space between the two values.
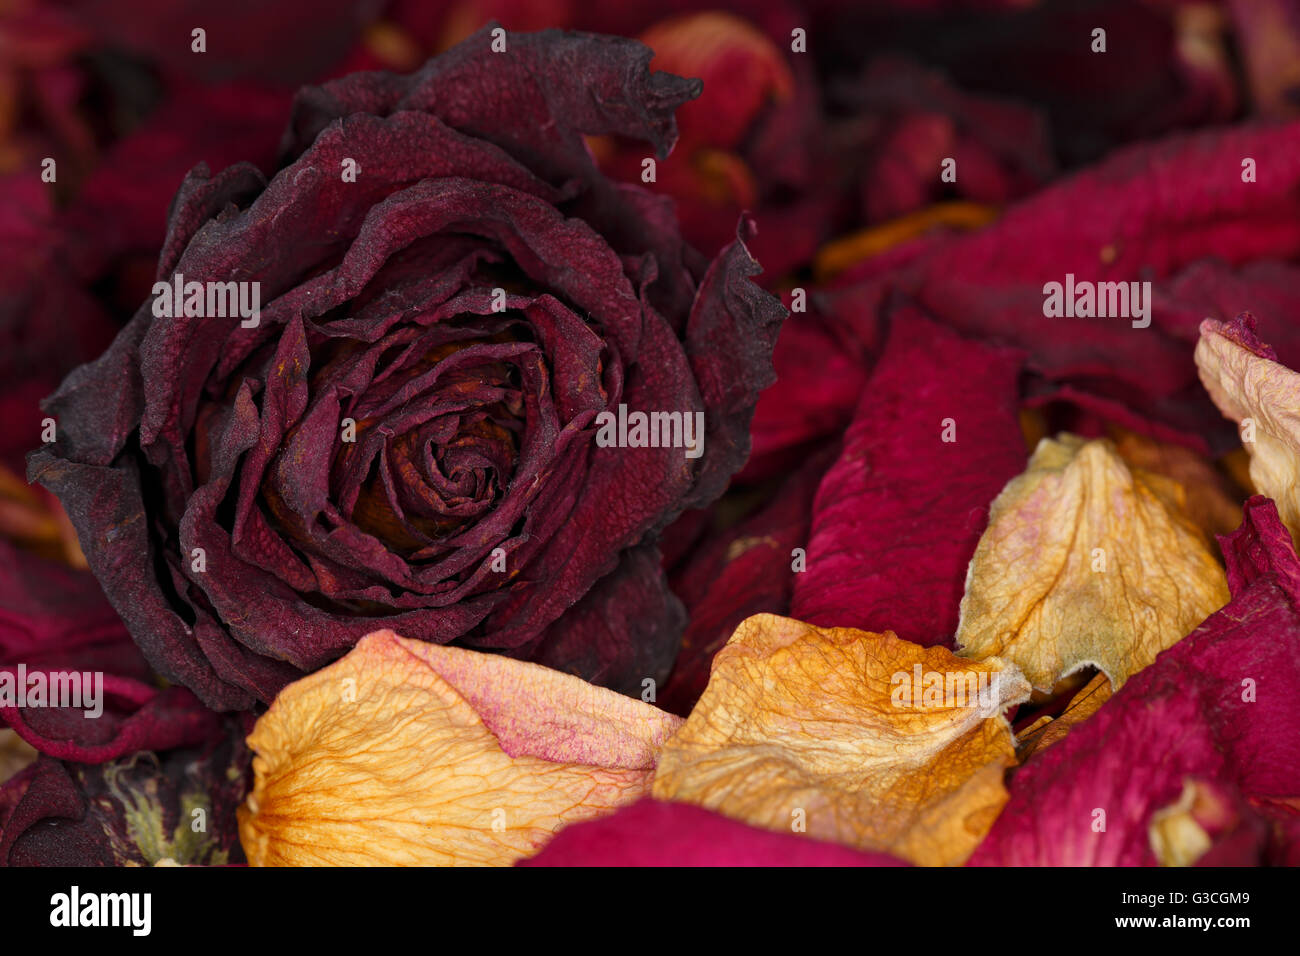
[386, 446]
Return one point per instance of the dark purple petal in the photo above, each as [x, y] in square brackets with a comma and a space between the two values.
[625, 631]
[408, 436]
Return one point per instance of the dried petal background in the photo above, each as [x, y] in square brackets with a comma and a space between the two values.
[470, 631]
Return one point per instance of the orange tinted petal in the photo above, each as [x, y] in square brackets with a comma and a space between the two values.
[813, 730]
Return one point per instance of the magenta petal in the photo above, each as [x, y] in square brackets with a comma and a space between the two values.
[55, 622]
[1116, 221]
[655, 833]
[899, 514]
[819, 379]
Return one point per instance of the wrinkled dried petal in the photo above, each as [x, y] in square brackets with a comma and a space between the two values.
[1210, 501]
[1116, 221]
[406, 753]
[55, 623]
[1086, 562]
[386, 446]
[1252, 388]
[814, 727]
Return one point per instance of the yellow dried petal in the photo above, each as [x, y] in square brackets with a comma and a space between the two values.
[1086, 562]
[407, 753]
[1263, 397]
[1176, 832]
[1206, 493]
[815, 730]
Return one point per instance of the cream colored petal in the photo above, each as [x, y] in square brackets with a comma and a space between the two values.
[389, 756]
[1086, 562]
[1263, 397]
[814, 730]
[1180, 833]
[1205, 495]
